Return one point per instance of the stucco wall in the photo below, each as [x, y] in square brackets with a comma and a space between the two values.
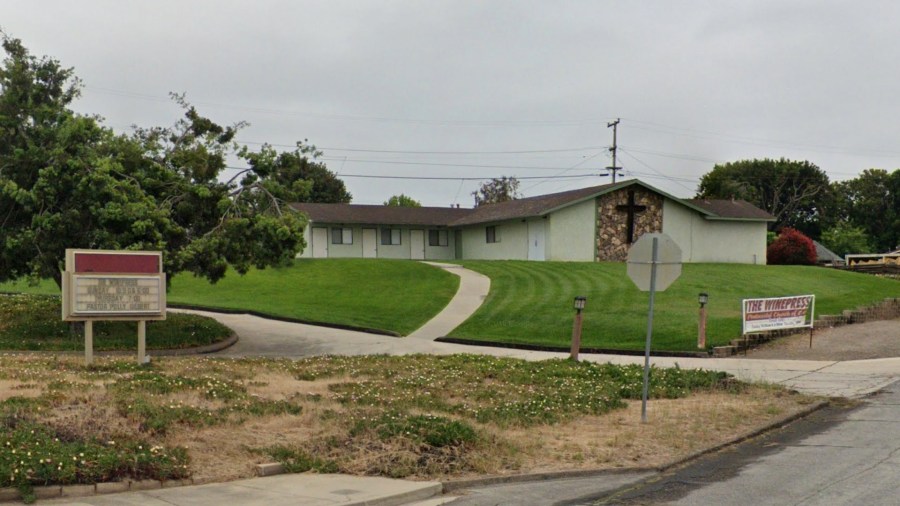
[571, 233]
[447, 252]
[513, 244]
[704, 240]
[399, 251]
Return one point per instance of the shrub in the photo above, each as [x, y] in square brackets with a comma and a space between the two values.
[791, 248]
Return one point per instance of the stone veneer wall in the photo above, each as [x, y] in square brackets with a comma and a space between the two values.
[612, 224]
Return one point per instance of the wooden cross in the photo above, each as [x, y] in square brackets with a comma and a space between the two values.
[631, 209]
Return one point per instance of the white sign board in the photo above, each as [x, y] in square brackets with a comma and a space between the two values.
[117, 295]
[760, 315]
[640, 261]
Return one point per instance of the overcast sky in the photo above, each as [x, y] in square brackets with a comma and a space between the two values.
[481, 89]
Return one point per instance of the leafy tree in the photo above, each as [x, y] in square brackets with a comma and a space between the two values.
[797, 193]
[295, 176]
[844, 238]
[871, 202]
[402, 201]
[68, 182]
[496, 190]
[791, 248]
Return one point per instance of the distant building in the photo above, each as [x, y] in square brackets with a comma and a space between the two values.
[825, 256]
[590, 224]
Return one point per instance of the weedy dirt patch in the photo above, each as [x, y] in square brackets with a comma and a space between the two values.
[419, 417]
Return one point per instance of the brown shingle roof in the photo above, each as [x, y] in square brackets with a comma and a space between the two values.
[731, 209]
[380, 215]
[528, 207]
[515, 209]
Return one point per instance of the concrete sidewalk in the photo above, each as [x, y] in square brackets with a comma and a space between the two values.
[282, 490]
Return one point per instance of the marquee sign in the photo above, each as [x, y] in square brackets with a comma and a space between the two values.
[113, 285]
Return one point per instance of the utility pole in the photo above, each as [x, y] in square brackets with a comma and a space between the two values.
[615, 126]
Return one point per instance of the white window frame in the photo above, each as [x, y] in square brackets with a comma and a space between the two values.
[391, 237]
[346, 235]
[442, 236]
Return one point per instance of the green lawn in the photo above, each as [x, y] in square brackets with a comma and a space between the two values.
[531, 302]
[32, 322]
[391, 295]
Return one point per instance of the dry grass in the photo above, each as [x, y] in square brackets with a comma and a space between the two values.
[227, 447]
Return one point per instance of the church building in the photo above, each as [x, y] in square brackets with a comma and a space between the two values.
[586, 225]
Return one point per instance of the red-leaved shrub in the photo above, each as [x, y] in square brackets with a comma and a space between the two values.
[791, 248]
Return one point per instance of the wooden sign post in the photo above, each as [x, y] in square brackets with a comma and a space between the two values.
[113, 285]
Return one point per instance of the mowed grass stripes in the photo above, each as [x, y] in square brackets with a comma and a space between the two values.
[389, 295]
[393, 295]
[531, 302]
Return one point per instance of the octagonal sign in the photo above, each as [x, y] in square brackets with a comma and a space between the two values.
[640, 261]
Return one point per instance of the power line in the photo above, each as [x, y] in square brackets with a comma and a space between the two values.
[416, 152]
[440, 164]
[437, 178]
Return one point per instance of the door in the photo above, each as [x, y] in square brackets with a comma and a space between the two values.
[417, 244]
[536, 247]
[320, 242]
[370, 249]
[457, 244]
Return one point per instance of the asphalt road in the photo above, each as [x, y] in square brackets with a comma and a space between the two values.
[842, 455]
[839, 456]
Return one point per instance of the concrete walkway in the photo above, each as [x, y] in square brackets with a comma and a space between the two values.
[473, 288]
[270, 338]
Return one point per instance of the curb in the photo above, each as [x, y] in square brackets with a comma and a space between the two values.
[168, 352]
[8, 495]
[560, 349]
[259, 314]
[456, 485]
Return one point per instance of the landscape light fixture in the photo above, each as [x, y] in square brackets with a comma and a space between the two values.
[576, 327]
[579, 303]
[703, 298]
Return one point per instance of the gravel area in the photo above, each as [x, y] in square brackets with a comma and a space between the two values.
[878, 339]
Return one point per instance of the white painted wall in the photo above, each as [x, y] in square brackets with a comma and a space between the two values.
[513, 244]
[447, 252]
[399, 251]
[703, 240]
[572, 233]
[353, 250]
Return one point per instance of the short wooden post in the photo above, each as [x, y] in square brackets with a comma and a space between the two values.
[88, 342]
[142, 342]
[576, 337]
[701, 334]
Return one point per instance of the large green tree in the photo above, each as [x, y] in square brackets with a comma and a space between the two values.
[871, 202]
[295, 176]
[68, 182]
[797, 193]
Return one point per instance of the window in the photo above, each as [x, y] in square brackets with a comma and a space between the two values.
[437, 237]
[342, 236]
[490, 234]
[390, 236]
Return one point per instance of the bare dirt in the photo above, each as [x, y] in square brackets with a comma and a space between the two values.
[878, 339]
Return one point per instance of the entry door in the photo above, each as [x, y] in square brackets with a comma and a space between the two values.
[536, 247]
[369, 243]
[320, 242]
[417, 244]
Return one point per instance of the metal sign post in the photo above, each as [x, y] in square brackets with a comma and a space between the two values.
[654, 263]
[654, 259]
